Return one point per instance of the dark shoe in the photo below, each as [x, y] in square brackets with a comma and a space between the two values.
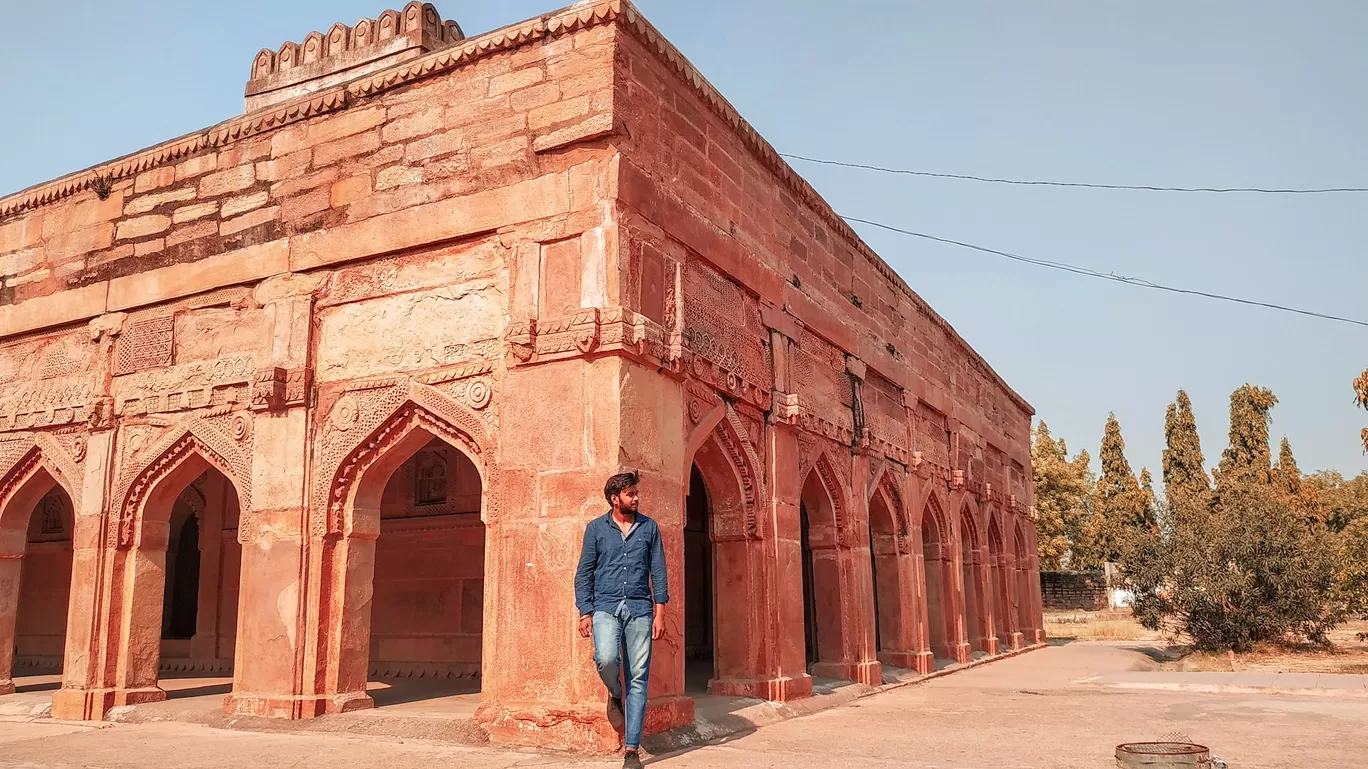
[632, 760]
[615, 716]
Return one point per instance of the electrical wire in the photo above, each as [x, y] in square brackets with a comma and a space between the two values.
[1086, 185]
[1141, 282]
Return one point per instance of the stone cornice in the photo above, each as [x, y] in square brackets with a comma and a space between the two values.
[562, 22]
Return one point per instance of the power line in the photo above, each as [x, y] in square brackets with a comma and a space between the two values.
[1086, 185]
[1141, 282]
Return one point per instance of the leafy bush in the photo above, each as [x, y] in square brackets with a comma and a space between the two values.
[1250, 570]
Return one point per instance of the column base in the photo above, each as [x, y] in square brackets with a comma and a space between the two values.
[95, 704]
[6, 687]
[961, 653]
[1018, 641]
[294, 708]
[991, 646]
[581, 728]
[921, 662]
[869, 672]
[773, 689]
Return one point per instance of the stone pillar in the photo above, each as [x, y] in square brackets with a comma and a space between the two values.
[86, 693]
[860, 656]
[269, 657]
[11, 562]
[784, 586]
[610, 414]
[204, 644]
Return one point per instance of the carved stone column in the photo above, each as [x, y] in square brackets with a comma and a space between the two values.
[87, 671]
[269, 658]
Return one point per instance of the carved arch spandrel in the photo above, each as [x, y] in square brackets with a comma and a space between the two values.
[836, 488]
[934, 506]
[893, 498]
[392, 413]
[730, 434]
[19, 457]
[196, 436]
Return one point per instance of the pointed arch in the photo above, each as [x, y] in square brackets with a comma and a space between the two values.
[836, 493]
[26, 482]
[425, 413]
[183, 454]
[739, 464]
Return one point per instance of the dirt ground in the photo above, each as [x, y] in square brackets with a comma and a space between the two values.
[1347, 653]
[1026, 711]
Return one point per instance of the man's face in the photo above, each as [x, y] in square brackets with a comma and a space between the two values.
[627, 499]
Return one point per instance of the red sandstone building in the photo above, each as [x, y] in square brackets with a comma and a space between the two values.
[328, 392]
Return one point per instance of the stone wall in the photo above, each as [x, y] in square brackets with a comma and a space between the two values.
[1079, 590]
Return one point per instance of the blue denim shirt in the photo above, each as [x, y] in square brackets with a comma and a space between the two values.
[614, 568]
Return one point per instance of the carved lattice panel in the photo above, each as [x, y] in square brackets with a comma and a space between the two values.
[722, 324]
[884, 410]
[933, 436]
[145, 344]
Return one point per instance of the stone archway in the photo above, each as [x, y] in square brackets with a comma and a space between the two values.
[977, 604]
[1024, 586]
[887, 544]
[36, 527]
[821, 519]
[157, 505]
[938, 559]
[353, 523]
[724, 561]
[1000, 582]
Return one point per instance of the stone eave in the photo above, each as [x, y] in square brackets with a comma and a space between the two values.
[556, 23]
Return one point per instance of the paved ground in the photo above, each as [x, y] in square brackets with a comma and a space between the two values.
[1029, 711]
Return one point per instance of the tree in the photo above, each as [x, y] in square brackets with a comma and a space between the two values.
[1120, 513]
[1361, 398]
[1287, 476]
[1185, 472]
[1248, 572]
[1345, 501]
[1248, 459]
[1061, 495]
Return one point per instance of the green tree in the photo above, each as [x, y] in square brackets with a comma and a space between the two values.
[1345, 501]
[1120, 513]
[1248, 572]
[1061, 496]
[1248, 459]
[1185, 472]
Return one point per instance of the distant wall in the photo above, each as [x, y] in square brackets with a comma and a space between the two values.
[1085, 590]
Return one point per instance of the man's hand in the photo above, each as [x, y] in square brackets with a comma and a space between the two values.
[586, 625]
[658, 624]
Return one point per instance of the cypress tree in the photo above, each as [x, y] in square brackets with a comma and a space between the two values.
[1061, 494]
[1151, 501]
[1185, 475]
[1248, 458]
[1119, 509]
[1288, 475]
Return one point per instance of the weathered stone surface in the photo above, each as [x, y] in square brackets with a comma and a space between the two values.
[386, 337]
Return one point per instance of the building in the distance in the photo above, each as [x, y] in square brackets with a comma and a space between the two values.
[329, 390]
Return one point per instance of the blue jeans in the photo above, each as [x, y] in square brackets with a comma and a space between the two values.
[614, 633]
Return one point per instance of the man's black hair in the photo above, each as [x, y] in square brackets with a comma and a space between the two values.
[617, 483]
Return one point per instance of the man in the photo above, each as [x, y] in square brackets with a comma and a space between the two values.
[621, 592]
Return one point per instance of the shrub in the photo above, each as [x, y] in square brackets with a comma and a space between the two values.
[1248, 571]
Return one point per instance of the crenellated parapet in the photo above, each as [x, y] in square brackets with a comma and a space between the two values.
[344, 53]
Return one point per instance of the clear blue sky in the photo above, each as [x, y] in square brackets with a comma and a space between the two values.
[1220, 93]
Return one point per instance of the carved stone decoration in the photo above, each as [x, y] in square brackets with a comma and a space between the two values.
[194, 437]
[832, 481]
[145, 344]
[385, 414]
[889, 487]
[730, 434]
[474, 393]
[242, 428]
[268, 389]
[345, 413]
[695, 410]
[20, 457]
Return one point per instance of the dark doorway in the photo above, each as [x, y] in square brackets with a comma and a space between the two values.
[874, 571]
[184, 584]
[698, 587]
[809, 588]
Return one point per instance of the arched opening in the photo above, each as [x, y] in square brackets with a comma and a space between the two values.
[698, 586]
[426, 610]
[203, 569]
[36, 526]
[821, 575]
[1000, 576]
[939, 564]
[1025, 593]
[975, 609]
[883, 556]
[44, 589]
